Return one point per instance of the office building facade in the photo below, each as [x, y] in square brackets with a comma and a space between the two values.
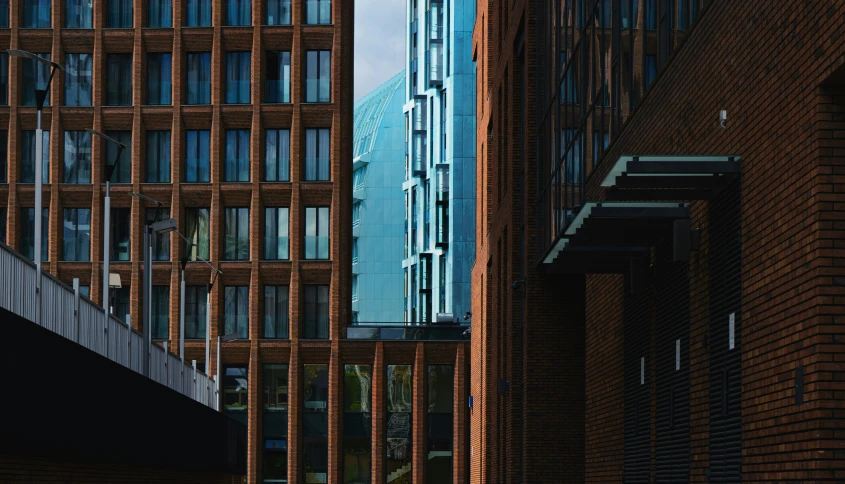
[440, 160]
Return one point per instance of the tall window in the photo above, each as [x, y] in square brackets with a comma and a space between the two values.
[441, 389]
[161, 242]
[77, 166]
[196, 315]
[276, 321]
[318, 11]
[357, 423]
[237, 155]
[78, 79]
[236, 392]
[27, 246]
[317, 233]
[237, 234]
[442, 278]
[236, 311]
[316, 312]
[238, 77]
[315, 451]
[36, 14]
[28, 157]
[4, 156]
[650, 14]
[78, 14]
[198, 88]
[276, 233]
[198, 13]
[399, 407]
[683, 14]
[34, 76]
[238, 12]
[275, 425]
[277, 155]
[120, 307]
[196, 231]
[123, 169]
[650, 70]
[119, 14]
[198, 156]
[4, 14]
[160, 324]
[159, 72]
[159, 13]
[278, 12]
[277, 86]
[4, 78]
[318, 76]
[317, 156]
[158, 156]
[121, 221]
[119, 79]
[3, 225]
[76, 234]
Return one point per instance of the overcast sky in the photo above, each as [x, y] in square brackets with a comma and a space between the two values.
[379, 43]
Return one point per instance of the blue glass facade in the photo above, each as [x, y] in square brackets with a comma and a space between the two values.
[439, 186]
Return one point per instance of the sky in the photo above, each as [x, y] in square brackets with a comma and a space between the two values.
[379, 43]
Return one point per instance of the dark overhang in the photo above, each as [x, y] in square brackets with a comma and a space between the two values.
[669, 177]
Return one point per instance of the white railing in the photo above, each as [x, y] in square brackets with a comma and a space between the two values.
[67, 313]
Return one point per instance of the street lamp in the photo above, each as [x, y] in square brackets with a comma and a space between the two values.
[107, 209]
[40, 97]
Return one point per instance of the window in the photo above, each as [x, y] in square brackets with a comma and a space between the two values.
[27, 246]
[317, 142]
[277, 155]
[160, 323]
[354, 287]
[159, 13]
[650, 70]
[238, 77]
[121, 222]
[318, 11]
[119, 14]
[683, 14]
[158, 156]
[236, 392]
[315, 431]
[36, 14]
[276, 233]
[198, 13]
[198, 156]
[76, 234]
[120, 303]
[441, 389]
[357, 423]
[600, 142]
[4, 75]
[359, 176]
[236, 311]
[196, 314]
[4, 156]
[196, 231]
[278, 12]
[85, 291]
[3, 225]
[571, 147]
[119, 79]
[276, 322]
[275, 425]
[317, 233]
[238, 12]
[199, 78]
[629, 21]
[316, 312]
[34, 76]
[123, 169]
[78, 79]
[354, 250]
[399, 389]
[77, 167]
[159, 67]
[442, 276]
[4, 14]
[78, 14]
[356, 214]
[318, 76]
[236, 246]
[160, 242]
[650, 14]
[277, 85]
[237, 155]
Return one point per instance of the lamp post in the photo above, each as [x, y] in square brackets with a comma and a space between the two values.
[40, 98]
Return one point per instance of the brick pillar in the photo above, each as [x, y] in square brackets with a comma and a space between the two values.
[419, 410]
[378, 448]
[335, 402]
[459, 431]
[294, 415]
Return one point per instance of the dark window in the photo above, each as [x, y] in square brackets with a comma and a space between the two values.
[85, 291]
[316, 312]
[36, 14]
[199, 78]
[78, 79]
[160, 242]
[238, 77]
[4, 14]
[399, 400]
[236, 311]
[78, 14]
[120, 306]
[158, 156]
[159, 13]
[629, 21]
[159, 72]
[276, 233]
[278, 12]
[198, 13]
[123, 171]
[318, 76]
[277, 155]
[27, 246]
[236, 245]
[276, 312]
[316, 233]
[683, 14]
[318, 11]
[35, 76]
[196, 314]
[650, 71]
[119, 14]
[198, 156]
[76, 234]
[77, 166]
[317, 155]
[160, 323]
[275, 423]
[121, 222]
[4, 76]
[442, 275]
[119, 79]
[316, 423]
[236, 392]
[4, 156]
[3, 225]
[238, 12]
[196, 231]
[441, 389]
[237, 155]
[277, 85]
[357, 423]
[650, 14]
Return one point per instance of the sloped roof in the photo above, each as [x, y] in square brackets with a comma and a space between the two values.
[369, 112]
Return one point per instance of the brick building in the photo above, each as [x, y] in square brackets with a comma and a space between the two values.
[238, 118]
[657, 290]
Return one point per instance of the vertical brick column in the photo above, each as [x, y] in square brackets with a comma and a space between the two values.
[418, 420]
[459, 448]
[294, 416]
[378, 445]
[335, 402]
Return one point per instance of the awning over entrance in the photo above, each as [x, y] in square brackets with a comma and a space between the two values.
[669, 177]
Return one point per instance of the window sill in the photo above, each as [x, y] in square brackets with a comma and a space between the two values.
[315, 181]
[315, 260]
[274, 260]
[285, 182]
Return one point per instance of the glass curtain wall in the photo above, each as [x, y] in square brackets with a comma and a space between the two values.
[315, 422]
[399, 420]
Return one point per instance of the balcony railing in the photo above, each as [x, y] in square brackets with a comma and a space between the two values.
[407, 332]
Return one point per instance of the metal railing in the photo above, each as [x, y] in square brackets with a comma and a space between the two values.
[65, 312]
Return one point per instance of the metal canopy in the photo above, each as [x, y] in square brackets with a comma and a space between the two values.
[669, 177]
